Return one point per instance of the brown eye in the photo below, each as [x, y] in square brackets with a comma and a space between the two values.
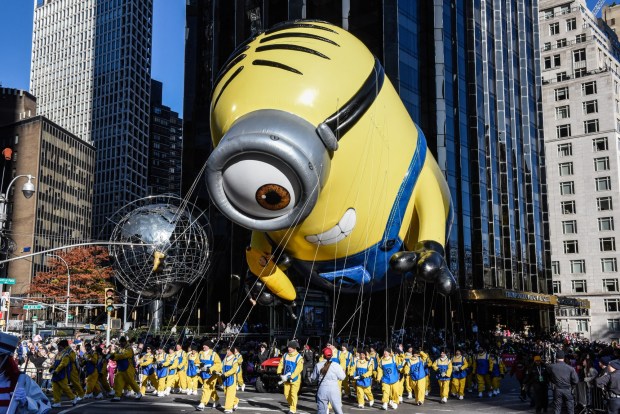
[273, 197]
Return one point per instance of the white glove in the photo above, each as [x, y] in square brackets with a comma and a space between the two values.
[284, 378]
[20, 395]
[356, 378]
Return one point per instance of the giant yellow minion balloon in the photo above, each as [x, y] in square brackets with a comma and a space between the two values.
[315, 152]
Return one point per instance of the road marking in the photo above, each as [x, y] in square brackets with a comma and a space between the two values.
[75, 407]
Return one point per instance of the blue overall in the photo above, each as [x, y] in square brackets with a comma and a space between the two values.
[495, 373]
[191, 368]
[359, 372]
[207, 363]
[458, 374]
[162, 372]
[289, 367]
[390, 372]
[417, 370]
[60, 375]
[482, 365]
[229, 380]
[442, 369]
[89, 367]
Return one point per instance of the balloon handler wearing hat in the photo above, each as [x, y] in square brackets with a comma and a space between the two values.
[290, 368]
[362, 374]
[147, 365]
[124, 358]
[388, 373]
[459, 375]
[90, 367]
[209, 363]
[443, 368]
[229, 380]
[74, 374]
[328, 374]
[19, 394]
[192, 370]
[498, 370]
[60, 374]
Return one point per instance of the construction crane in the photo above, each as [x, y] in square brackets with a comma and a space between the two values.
[598, 7]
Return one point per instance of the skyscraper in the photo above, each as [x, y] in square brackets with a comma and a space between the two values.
[581, 103]
[165, 146]
[91, 63]
[469, 74]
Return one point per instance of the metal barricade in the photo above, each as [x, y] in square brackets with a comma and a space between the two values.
[595, 402]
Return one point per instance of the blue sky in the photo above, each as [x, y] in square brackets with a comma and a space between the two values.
[168, 46]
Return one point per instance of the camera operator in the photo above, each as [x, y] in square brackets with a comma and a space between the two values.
[610, 383]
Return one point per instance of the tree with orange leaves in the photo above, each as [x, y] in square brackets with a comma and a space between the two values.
[90, 270]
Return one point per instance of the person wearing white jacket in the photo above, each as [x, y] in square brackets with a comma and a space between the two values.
[327, 375]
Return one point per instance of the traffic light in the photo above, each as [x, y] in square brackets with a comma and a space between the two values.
[109, 299]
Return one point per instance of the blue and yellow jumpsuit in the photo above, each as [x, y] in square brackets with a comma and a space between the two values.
[482, 369]
[417, 378]
[291, 364]
[92, 376]
[231, 365]
[443, 366]
[147, 366]
[211, 360]
[459, 375]
[192, 371]
[60, 377]
[162, 373]
[363, 370]
[388, 372]
[124, 375]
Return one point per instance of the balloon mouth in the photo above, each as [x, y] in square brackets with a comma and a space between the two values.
[268, 170]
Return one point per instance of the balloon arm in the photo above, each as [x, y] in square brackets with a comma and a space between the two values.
[262, 265]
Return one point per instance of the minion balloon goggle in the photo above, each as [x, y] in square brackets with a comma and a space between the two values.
[268, 170]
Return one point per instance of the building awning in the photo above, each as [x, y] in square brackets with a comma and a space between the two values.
[508, 297]
[573, 302]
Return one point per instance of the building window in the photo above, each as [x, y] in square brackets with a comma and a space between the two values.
[579, 55]
[563, 131]
[560, 43]
[603, 183]
[553, 61]
[605, 223]
[590, 126]
[607, 244]
[567, 188]
[566, 168]
[588, 88]
[548, 63]
[557, 287]
[565, 150]
[569, 227]
[555, 267]
[609, 265]
[604, 204]
[568, 207]
[554, 28]
[562, 112]
[613, 324]
[590, 107]
[561, 94]
[561, 76]
[580, 38]
[582, 325]
[571, 24]
[547, 46]
[571, 246]
[578, 266]
[580, 286]
[580, 72]
[612, 305]
[601, 164]
[610, 285]
[599, 144]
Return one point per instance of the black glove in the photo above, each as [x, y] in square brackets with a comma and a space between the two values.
[51, 370]
[427, 262]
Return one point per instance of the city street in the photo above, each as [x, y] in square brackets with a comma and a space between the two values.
[252, 402]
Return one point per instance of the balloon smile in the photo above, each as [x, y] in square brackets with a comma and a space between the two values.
[337, 233]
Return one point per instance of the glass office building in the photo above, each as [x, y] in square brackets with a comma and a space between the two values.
[469, 74]
[91, 65]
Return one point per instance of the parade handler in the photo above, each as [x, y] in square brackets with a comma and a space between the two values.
[60, 375]
[443, 366]
[124, 376]
[231, 365]
[363, 373]
[210, 363]
[459, 374]
[290, 367]
[388, 373]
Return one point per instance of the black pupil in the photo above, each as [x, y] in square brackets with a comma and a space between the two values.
[273, 198]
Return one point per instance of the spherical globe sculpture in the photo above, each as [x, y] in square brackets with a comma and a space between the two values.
[169, 246]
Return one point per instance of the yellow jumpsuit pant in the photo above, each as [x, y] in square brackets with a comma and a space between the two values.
[390, 392]
[208, 390]
[231, 397]
[161, 384]
[484, 382]
[123, 379]
[92, 382]
[363, 391]
[407, 384]
[171, 380]
[290, 393]
[346, 385]
[192, 383]
[457, 386]
[146, 379]
[182, 378]
[103, 381]
[418, 388]
[74, 380]
[60, 387]
[444, 388]
[495, 383]
[240, 378]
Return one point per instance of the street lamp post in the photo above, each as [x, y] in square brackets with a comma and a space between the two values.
[28, 191]
[68, 285]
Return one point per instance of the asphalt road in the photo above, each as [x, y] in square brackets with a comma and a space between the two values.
[251, 402]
